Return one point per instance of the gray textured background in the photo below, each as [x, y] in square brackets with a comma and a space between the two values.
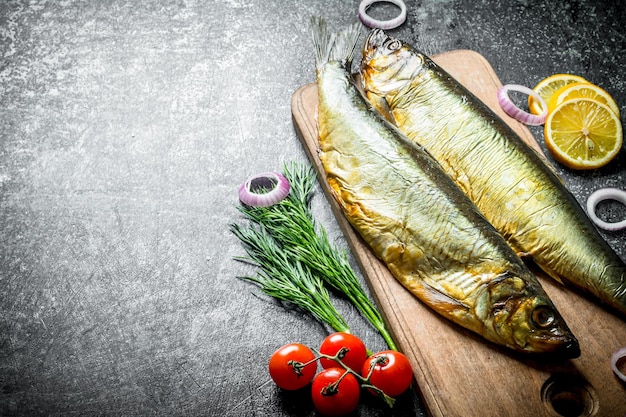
[125, 131]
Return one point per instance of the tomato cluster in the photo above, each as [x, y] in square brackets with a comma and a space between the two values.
[346, 368]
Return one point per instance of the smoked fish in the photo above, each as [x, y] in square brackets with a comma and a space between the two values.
[419, 223]
[510, 183]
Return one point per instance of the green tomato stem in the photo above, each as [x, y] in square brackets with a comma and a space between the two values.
[363, 381]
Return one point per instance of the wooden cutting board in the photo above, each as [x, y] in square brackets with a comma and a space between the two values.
[458, 373]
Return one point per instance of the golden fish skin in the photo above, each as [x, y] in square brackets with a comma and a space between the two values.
[415, 219]
[508, 181]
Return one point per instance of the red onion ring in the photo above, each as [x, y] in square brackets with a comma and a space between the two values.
[517, 113]
[601, 195]
[264, 190]
[617, 363]
[382, 24]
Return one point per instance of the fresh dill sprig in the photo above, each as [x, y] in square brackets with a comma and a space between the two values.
[285, 278]
[291, 224]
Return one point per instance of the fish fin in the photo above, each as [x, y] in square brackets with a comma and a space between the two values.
[381, 105]
[322, 40]
[439, 300]
[535, 267]
[334, 47]
[526, 256]
[552, 274]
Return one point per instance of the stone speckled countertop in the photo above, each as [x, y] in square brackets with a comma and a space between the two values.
[126, 129]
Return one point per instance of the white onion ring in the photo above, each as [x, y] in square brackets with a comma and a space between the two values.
[273, 187]
[517, 113]
[382, 24]
[606, 194]
[620, 354]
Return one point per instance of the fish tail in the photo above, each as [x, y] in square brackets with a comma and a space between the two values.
[334, 47]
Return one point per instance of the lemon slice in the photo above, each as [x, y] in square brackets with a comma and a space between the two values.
[582, 90]
[583, 134]
[549, 86]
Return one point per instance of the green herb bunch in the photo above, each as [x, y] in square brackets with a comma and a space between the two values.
[296, 259]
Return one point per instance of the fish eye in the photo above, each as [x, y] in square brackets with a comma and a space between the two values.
[543, 317]
[394, 45]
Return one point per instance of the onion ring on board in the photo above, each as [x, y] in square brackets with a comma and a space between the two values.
[601, 195]
[515, 112]
[618, 363]
[382, 24]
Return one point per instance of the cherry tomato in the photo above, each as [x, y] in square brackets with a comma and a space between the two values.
[353, 354]
[333, 398]
[392, 372]
[292, 366]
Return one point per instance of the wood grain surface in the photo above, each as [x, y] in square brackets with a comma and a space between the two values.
[458, 373]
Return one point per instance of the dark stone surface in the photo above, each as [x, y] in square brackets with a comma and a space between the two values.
[126, 128]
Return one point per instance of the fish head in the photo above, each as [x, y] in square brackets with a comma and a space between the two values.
[388, 65]
[523, 317]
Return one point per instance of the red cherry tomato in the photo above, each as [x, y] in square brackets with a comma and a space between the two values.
[332, 398]
[392, 372]
[353, 354]
[292, 366]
